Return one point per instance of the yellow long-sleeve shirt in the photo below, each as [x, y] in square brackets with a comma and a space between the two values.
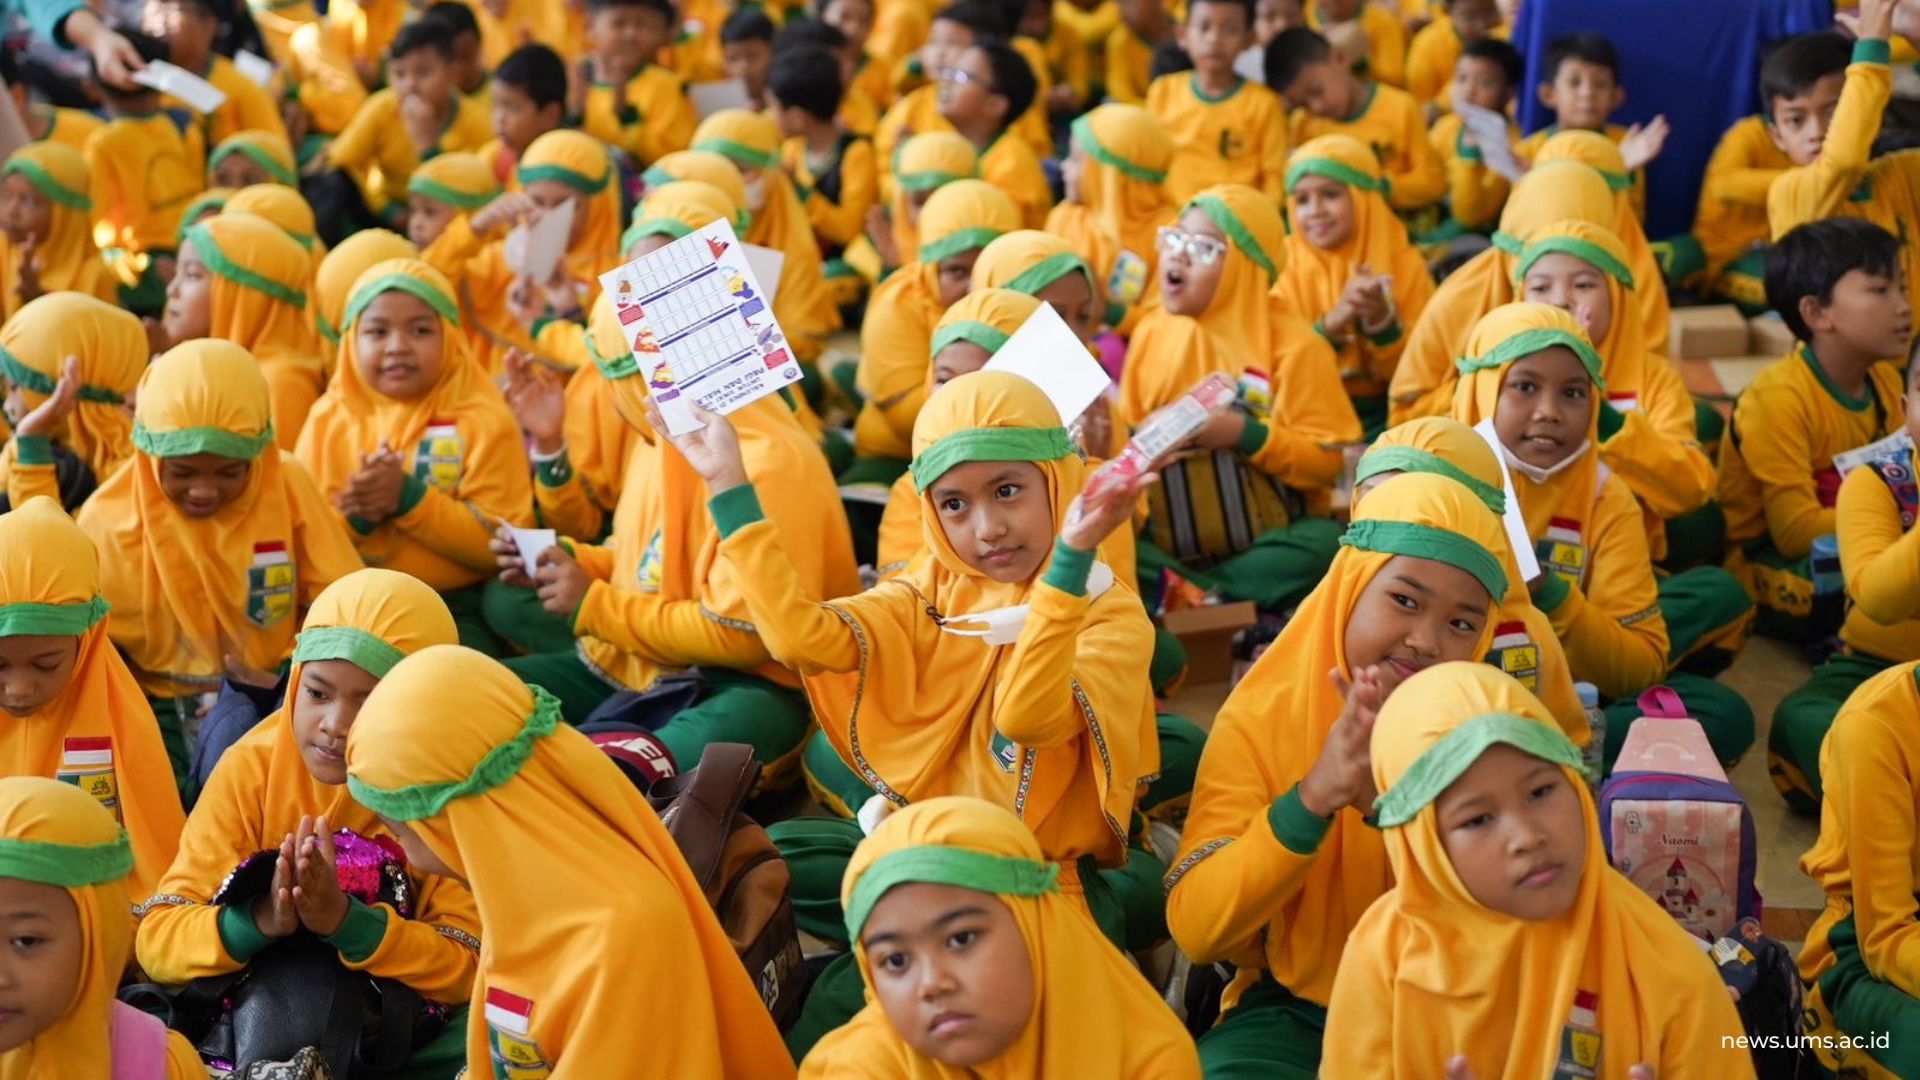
[894, 359]
[184, 936]
[1880, 558]
[1240, 138]
[1526, 148]
[70, 126]
[914, 113]
[249, 107]
[1010, 165]
[1390, 122]
[1608, 616]
[1067, 60]
[1776, 465]
[656, 120]
[1090, 28]
[838, 190]
[1845, 181]
[1129, 65]
[1732, 215]
[377, 152]
[1655, 450]
[142, 179]
[1475, 193]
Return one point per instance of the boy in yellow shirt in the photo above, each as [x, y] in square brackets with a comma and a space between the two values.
[956, 29]
[1225, 129]
[834, 171]
[1437, 48]
[529, 99]
[983, 94]
[1144, 25]
[1487, 74]
[1386, 57]
[469, 64]
[746, 51]
[629, 102]
[1068, 75]
[1581, 85]
[1836, 284]
[1327, 98]
[189, 28]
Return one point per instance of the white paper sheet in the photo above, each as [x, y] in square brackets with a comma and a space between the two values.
[532, 544]
[1893, 446]
[1045, 352]
[699, 326]
[257, 69]
[767, 264]
[199, 95]
[1489, 130]
[1516, 523]
[535, 248]
[711, 97]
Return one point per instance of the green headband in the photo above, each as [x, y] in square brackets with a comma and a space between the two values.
[355, 646]
[1339, 172]
[1407, 459]
[52, 620]
[1047, 271]
[620, 367]
[327, 332]
[656, 226]
[935, 865]
[37, 382]
[51, 188]
[1615, 180]
[68, 866]
[580, 182]
[1585, 250]
[215, 201]
[956, 242]
[501, 764]
[739, 152]
[257, 156]
[658, 177]
[439, 192]
[1507, 243]
[978, 333]
[424, 290]
[1089, 142]
[1528, 342]
[1427, 542]
[928, 181]
[209, 251]
[988, 444]
[200, 440]
[1223, 217]
[1435, 770]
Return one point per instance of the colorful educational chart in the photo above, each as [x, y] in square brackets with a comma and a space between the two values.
[700, 326]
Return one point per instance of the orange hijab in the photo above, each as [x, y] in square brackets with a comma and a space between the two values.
[66, 256]
[259, 301]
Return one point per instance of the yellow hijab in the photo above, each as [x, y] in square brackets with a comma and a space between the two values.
[259, 302]
[1077, 797]
[1602, 154]
[923, 163]
[706, 167]
[285, 207]
[676, 208]
[1454, 977]
[66, 256]
[174, 581]
[1123, 195]
[269, 150]
[112, 347]
[1624, 356]
[582, 163]
[207, 204]
[341, 267]
[54, 834]
[537, 820]
[1027, 261]
[1275, 723]
[461, 180]
[50, 584]
[1093, 1014]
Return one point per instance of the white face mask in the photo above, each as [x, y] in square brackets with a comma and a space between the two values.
[1002, 625]
[1539, 475]
[757, 194]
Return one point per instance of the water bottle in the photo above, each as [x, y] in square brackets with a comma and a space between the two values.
[1593, 757]
[1829, 587]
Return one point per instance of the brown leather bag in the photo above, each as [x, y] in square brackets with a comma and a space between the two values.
[735, 862]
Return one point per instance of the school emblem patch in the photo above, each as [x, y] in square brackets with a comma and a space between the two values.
[270, 583]
[1562, 551]
[1256, 391]
[1516, 654]
[1580, 1040]
[1128, 279]
[438, 457]
[515, 1054]
[1006, 753]
[88, 765]
[648, 572]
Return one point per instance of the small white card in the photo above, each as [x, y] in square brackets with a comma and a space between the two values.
[712, 97]
[533, 543]
[199, 95]
[767, 264]
[1514, 520]
[535, 248]
[1045, 352]
[257, 69]
[1892, 446]
[1490, 132]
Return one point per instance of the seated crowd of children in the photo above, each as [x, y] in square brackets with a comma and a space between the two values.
[324, 770]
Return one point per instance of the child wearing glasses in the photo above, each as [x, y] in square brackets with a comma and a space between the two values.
[1245, 515]
[982, 93]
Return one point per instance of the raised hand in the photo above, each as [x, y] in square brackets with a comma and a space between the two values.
[503, 212]
[1089, 523]
[423, 127]
[539, 401]
[1343, 775]
[317, 897]
[713, 451]
[50, 415]
[274, 914]
[1643, 142]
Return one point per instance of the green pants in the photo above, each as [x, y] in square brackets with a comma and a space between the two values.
[444, 1057]
[1372, 411]
[1269, 1035]
[863, 518]
[1723, 714]
[174, 714]
[735, 707]
[147, 297]
[1744, 281]
[838, 448]
[1696, 539]
[1168, 668]
[1705, 609]
[1870, 1009]
[1708, 426]
[1784, 608]
[468, 608]
[1801, 720]
[514, 615]
[1277, 572]
[1681, 259]
[843, 376]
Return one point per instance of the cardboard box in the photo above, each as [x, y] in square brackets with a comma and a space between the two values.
[1207, 632]
[1702, 333]
[1767, 335]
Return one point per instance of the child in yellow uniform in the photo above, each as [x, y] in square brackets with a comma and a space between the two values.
[69, 363]
[414, 447]
[1128, 49]
[960, 886]
[1225, 129]
[242, 279]
[1501, 884]
[1385, 60]
[529, 91]
[444, 188]
[333, 283]
[189, 27]
[282, 788]
[1487, 74]
[833, 169]
[247, 158]
[1327, 98]
[64, 873]
[1066, 76]
[46, 244]
[1350, 267]
[77, 715]
[1835, 284]
[957, 28]
[476, 785]
[1115, 174]
[854, 20]
[1277, 864]
[1858, 960]
[1580, 82]
[1728, 242]
[286, 208]
[453, 188]
[631, 103]
[980, 94]
[1435, 51]
[213, 541]
[923, 164]
[1278, 450]
[1597, 151]
[1531, 370]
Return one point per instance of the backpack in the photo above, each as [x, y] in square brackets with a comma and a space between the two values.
[736, 864]
[1674, 825]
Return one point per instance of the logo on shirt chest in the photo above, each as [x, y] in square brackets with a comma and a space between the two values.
[1580, 1040]
[438, 457]
[1256, 391]
[1231, 145]
[515, 1054]
[88, 765]
[1516, 654]
[1562, 550]
[647, 574]
[269, 583]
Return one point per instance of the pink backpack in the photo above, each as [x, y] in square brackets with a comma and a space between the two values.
[139, 1044]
